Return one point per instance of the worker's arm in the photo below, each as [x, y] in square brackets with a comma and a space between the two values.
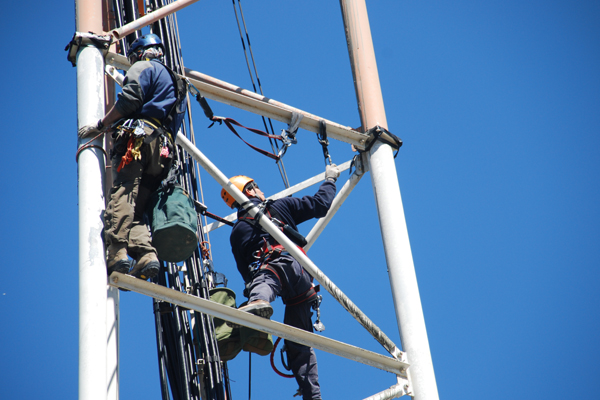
[102, 125]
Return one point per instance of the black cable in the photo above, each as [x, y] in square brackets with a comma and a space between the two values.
[178, 347]
[249, 375]
[274, 145]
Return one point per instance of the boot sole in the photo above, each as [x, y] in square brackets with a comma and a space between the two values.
[149, 271]
[121, 266]
[260, 310]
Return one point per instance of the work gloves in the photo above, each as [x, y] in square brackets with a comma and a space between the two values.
[87, 131]
[332, 172]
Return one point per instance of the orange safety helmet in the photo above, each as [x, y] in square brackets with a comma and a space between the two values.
[240, 182]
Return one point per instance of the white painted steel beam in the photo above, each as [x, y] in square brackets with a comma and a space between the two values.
[226, 93]
[393, 392]
[298, 254]
[401, 270]
[339, 199]
[90, 170]
[227, 313]
[151, 18]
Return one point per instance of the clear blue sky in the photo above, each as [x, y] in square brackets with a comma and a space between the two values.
[498, 105]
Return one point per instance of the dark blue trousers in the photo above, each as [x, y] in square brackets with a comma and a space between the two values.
[285, 277]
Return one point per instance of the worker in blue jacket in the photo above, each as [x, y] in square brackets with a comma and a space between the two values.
[270, 271]
[149, 112]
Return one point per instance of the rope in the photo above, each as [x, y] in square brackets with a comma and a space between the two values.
[273, 362]
[89, 145]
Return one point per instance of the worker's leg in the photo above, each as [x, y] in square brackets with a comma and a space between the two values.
[265, 285]
[140, 241]
[119, 214]
[302, 359]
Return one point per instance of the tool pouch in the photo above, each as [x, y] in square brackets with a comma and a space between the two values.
[174, 223]
[254, 341]
[228, 338]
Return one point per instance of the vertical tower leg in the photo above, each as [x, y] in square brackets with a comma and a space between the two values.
[92, 268]
[403, 281]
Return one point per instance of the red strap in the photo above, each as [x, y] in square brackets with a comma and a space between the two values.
[301, 298]
[230, 121]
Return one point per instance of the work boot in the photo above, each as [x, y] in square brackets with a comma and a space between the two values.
[261, 308]
[117, 260]
[147, 266]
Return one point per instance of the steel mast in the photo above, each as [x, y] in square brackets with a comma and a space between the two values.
[403, 280]
[93, 327]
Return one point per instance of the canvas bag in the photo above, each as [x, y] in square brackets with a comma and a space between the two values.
[228, 338]
[174, 223]
[254, 341]
[231, 341]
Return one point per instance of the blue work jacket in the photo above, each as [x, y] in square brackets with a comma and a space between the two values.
[246, 238]
[148, 92]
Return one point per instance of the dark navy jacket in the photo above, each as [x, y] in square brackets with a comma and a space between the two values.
[245, 238]
[149, 92]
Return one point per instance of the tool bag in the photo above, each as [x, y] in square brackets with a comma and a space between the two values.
[228, 338]
[231, 341]
[174, 223]
[254, 341]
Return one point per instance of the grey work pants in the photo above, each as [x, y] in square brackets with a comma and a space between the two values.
[285, 277]
[124, 217]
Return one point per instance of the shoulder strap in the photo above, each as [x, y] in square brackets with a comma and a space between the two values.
[180, 86]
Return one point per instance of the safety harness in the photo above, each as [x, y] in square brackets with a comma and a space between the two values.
[269, 252]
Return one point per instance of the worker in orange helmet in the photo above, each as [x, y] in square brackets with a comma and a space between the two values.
[269, 270]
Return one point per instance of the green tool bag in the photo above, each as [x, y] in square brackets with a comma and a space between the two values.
[231, 341]
[228, 338]
[254, 341]
[174, 223]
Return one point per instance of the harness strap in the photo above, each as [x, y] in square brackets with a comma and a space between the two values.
[269, 252]
[230, 122]
[309, 295]
[322, 138]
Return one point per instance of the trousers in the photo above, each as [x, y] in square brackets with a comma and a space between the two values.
[132, 186]
[285, 277]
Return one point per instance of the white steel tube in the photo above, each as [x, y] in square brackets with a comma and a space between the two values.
[335, 206]
[226, 93]
[394, 392]
[112, 343]
[151, 18]
[227, 313]
[92, 268]
[312, 269]
[403, 281]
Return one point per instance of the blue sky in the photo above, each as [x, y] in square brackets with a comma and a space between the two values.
[498, 107]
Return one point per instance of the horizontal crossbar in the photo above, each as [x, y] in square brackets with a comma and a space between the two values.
[242, 318]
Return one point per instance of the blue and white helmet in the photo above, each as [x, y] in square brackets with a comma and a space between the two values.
[142, 43]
